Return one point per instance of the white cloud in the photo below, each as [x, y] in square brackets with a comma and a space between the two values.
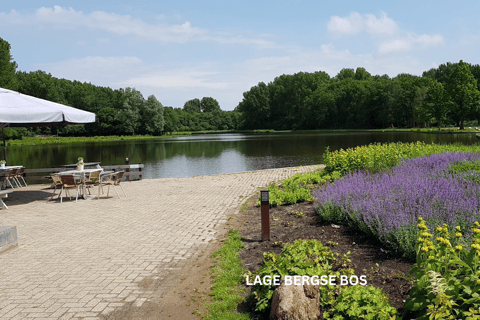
[383, 25]
[352, 24]
[394, 46]
[408, 43]
[174, 79]
[356, 23]
[429, 40]
[126, 25]
[102, 71]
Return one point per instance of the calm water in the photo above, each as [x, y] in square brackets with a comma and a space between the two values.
[215, 154]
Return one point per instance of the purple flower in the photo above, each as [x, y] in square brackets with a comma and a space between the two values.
[387, 204]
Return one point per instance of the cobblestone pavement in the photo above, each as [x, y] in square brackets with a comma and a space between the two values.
[78, 260]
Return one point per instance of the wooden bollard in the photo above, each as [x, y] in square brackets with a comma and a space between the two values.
[127, 162]
[265, 211]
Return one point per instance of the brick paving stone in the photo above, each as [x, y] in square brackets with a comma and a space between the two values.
[86, 258]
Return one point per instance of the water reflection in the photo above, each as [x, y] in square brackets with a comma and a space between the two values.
[216, 154]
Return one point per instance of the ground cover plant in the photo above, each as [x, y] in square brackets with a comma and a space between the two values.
[387, 204]
[298, 188]
[227, 274]
[447, 273]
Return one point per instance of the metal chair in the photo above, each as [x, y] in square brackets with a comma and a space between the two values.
[19, 175]
[114, 180]
[57, 182]
[9, 177]
[69, 182]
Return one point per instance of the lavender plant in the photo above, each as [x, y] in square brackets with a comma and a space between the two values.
[387, 204]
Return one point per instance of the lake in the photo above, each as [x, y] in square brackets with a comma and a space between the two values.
[216, 153]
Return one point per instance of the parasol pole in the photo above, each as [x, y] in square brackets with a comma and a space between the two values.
[4, 145]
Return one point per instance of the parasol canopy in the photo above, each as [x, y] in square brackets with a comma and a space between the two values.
[21, 110]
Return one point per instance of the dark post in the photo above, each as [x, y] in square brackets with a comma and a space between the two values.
[127, 162]
[265, 210]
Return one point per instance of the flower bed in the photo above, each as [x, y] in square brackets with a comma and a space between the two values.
[387, 204]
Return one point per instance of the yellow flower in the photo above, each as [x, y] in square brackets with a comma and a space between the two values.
[477, 224]
[459, 248]
[457, 228]
[478, 281]
[458, 234]
[425, 249]
[476, 231]
[426, 235]
[431, 257]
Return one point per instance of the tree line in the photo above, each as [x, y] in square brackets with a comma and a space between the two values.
[354, 99]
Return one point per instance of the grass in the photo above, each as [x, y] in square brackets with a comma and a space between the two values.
[227, 274]
[26, 141]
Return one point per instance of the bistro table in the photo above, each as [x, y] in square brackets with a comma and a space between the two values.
[82, 174]
[85, 165]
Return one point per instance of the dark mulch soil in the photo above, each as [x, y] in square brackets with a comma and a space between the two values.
[367, 255]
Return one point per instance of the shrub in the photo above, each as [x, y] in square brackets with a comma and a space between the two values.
[361, 302]
[447, 274]
[388, 203]
[377, 157]
[302, 257]
[297, 188]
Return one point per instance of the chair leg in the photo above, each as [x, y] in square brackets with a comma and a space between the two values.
[52, 194]
[24, 181]
[3, 203]
[10, 183]
[115, 190]
[17, 182]
[60, 195]
[123, 190]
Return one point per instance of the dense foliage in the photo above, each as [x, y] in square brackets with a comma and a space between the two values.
[302, 257]
[354, 99]
[447, 273]
[387, 204]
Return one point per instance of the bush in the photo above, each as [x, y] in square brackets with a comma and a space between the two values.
[302, 257]
[387, 204]
[297, 188]
[377, 157]
[447, 274]
[361, 302]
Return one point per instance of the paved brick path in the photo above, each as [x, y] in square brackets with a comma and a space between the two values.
[79, 260]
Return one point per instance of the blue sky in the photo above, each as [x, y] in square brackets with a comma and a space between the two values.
[180, 50]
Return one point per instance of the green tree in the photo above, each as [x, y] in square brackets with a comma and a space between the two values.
[151, 116]
[192, 105]
[463, 91]
[436, 104]
[129, 115]
[7, 67]
[345, 73]
[208, 104]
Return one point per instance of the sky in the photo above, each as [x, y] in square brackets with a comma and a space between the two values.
[181, 50]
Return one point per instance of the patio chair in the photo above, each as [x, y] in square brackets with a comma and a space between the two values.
[114, 180]
[57, 183]
[19, 175]
[69, 182]
[9, 177]
[93, 179]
